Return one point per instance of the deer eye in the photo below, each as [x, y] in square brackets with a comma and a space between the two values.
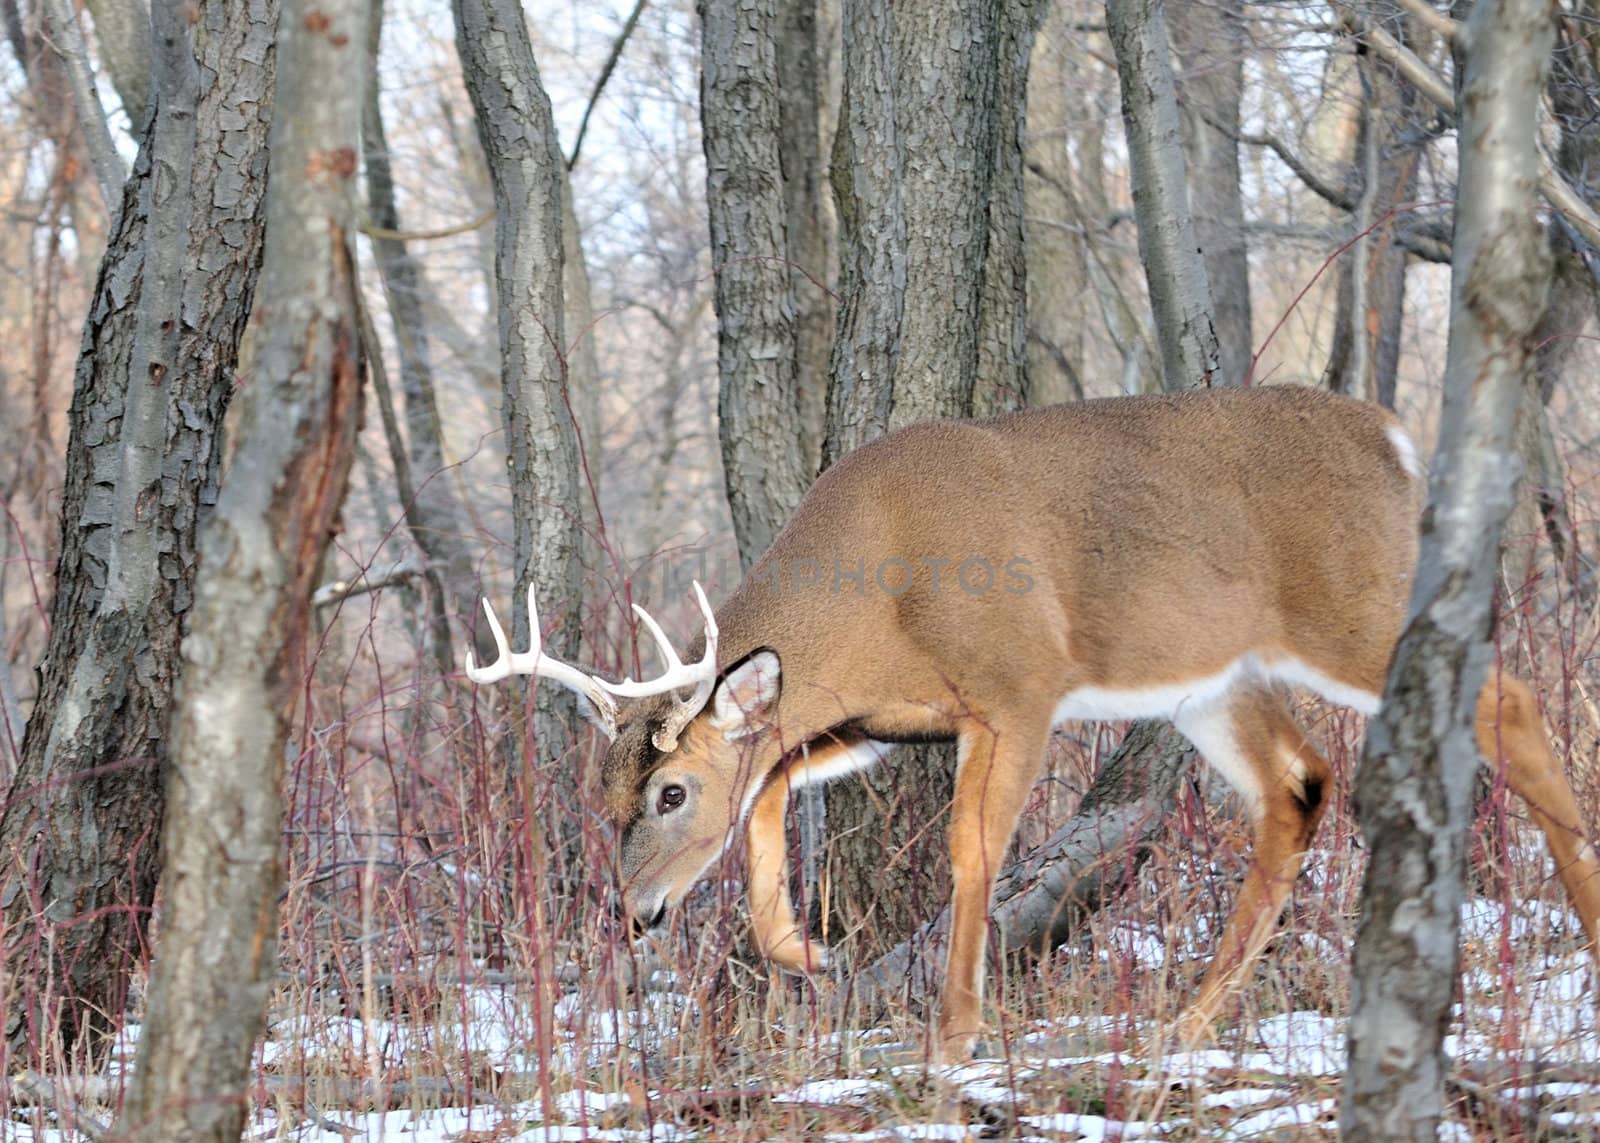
[670, 798]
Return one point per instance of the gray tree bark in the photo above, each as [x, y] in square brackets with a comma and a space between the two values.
[1365, 358]
[1001, 383]
[757, 337]
[434, 513]
[1414, 789]
[525, 165]
[1179, 287]
[808, 229]
[246, 650]
[1209, 40]
[78, 834]
[122, 30]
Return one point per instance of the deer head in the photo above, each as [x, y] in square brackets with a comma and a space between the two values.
[674, 788]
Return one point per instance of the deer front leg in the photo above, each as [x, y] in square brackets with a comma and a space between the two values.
[779, 934]
[997, 765]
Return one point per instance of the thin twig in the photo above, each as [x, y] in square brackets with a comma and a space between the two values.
[605, 74]
[1315, 182]
[372, 231]
[341, 589]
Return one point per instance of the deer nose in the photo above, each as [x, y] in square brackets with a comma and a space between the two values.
[641, 923]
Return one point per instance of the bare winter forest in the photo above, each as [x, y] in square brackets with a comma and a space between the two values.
[323, 320]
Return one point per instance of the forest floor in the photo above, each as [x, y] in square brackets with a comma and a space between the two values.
[1526, 1065]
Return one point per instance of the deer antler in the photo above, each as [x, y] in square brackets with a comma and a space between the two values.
[535, 662]
[701, 675]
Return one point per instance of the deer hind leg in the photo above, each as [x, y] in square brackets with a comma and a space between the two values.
[1253, 740]
[999, 761]
[1508, 724]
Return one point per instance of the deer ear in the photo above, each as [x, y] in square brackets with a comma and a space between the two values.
[747, 697]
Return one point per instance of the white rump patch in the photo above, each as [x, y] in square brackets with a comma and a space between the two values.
[1406, 450]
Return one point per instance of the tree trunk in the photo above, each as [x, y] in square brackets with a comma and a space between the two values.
[79, 830]
[923, 179]
[525, 165]
[1180, 292]
[1414, 788]
[757, 345]
[1542, 503]
[808, 230]
[246, 651]
[583, 385]
[67, 41]
[435, 514]
[1002, 384]
[1058, 272]
[122, 29]
[1208, 39]
[1365, 358]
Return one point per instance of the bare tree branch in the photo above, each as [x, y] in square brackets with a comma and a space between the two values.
[66, 37]
[1555, 188]
[605, 75]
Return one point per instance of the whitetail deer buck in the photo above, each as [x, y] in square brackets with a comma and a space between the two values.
[1181, 557]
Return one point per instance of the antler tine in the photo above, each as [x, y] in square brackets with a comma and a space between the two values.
[501, 667]
[663, 644]
[702, 675]
[535, 662]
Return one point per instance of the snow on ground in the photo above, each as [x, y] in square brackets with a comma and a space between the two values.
[1279, 1082]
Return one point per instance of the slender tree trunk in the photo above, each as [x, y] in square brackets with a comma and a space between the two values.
[122, 31]
[872, 234]
[1365, 358]
[583, 381]
[435, 514]
[78, 832]
[67, 41]
[1414, 788]
[246, 650]
[1058, 272]
[525, 165]
[1180, 291]
[1208, 39]
[757, 343]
